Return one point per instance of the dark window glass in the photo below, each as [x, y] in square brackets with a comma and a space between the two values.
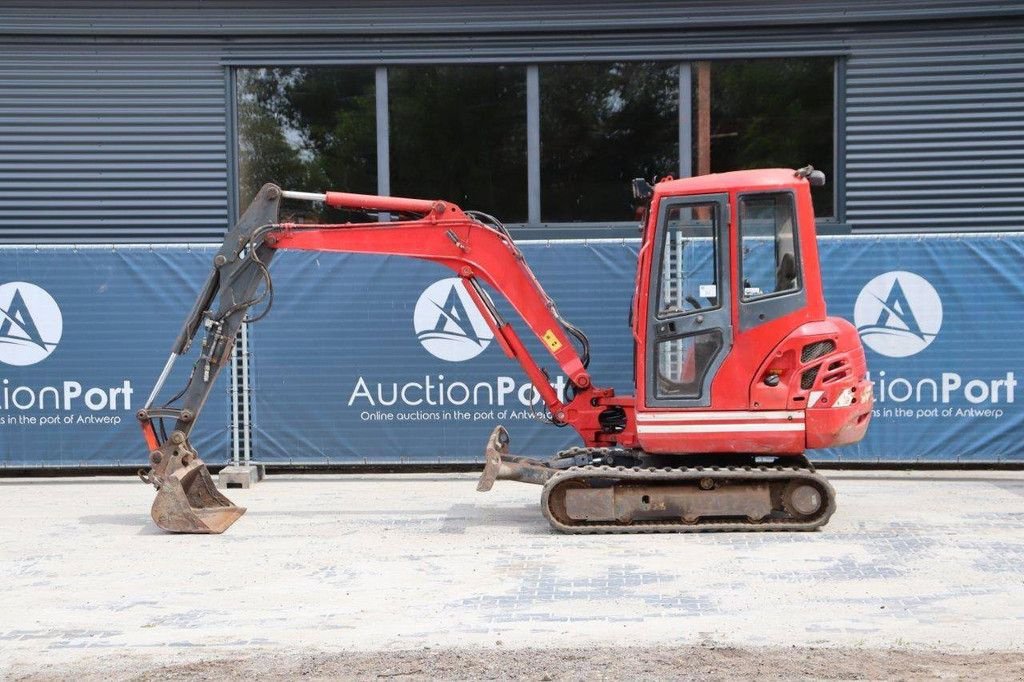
[308, 129]
[601, 125]
[772, 113]
[689, 276]
[768, 245]
[684, 362]
[459, 133]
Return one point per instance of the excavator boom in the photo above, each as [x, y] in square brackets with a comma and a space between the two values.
[478, 252]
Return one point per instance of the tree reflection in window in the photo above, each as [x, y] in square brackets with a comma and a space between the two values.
[603, 124]
[773, 113]
[459, 133]
[306, 128]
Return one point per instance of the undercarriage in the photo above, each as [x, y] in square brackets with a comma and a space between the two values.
[606, 490]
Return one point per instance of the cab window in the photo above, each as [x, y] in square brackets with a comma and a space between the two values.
[689, 278]
[768, 262]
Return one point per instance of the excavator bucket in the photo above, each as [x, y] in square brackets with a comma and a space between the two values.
[188, 502]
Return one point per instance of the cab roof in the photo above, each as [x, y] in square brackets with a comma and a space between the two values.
[762, 178]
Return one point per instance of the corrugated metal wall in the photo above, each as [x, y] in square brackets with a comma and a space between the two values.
[935, 130]
[447, 17]
[112, 142]
[114, 121]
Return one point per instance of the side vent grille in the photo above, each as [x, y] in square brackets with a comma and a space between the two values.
[813, 351]
[808, 377]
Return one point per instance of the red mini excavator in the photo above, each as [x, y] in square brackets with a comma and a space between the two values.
[738, 368]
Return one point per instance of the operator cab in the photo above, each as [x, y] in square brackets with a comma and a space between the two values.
[729, 263]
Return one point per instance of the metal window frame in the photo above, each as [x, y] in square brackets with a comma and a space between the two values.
[382, 121]
[839, 141]
[685, 119]
[535, 227]
[533, 144]
[231, 130]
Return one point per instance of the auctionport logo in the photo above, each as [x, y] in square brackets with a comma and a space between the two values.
[30, 324]
[448, 323]
[898, 314]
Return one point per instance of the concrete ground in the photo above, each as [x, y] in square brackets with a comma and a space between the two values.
[332, 570]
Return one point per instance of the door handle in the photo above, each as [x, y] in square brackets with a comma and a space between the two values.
[665, 328]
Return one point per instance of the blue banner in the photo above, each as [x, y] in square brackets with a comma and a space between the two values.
[372, 359]
[367, 359]
[83, 334]
[940, 320]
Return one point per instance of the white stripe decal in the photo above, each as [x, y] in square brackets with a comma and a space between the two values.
[717, 428]
[716, 416]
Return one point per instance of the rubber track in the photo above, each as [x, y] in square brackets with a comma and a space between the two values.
[668, 475]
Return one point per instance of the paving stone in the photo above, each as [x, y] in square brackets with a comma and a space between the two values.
[375, 562]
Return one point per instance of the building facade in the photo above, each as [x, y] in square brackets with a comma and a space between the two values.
[131, 136]
[150, 123]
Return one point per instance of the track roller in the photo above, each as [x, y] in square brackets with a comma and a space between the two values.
[637, 500]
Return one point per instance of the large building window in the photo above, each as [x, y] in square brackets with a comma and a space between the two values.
[766, 113]
[461, 132]
[601, 125]
[306, 128]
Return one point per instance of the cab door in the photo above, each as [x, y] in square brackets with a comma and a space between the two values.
[689, 329]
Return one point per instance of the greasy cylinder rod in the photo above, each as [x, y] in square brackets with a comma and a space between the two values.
[160, 381]
[303, 196]
[367, 202]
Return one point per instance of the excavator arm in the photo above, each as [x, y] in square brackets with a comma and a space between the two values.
[478, 249]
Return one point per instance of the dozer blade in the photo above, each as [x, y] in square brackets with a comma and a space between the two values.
[188, 502]
[500, 465]
[497, 445]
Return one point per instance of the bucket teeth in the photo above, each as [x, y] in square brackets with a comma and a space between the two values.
[188, 502]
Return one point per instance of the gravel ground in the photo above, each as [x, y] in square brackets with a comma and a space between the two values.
[918, 575]
[497, 663]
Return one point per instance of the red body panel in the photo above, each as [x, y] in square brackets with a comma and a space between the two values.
[745, 414]
[732, 431]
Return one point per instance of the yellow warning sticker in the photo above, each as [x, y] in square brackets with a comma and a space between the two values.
[553, 343]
